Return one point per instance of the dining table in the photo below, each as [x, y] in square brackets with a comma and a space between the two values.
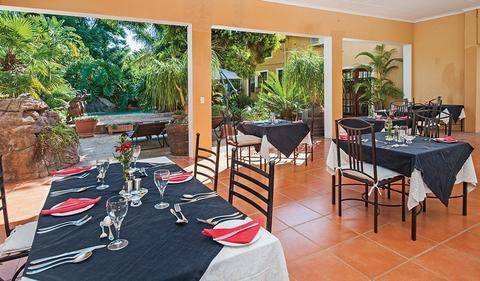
[158, 248]
[379, 122]
[283, 135]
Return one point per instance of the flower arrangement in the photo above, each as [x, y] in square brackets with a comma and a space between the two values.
[124, 151]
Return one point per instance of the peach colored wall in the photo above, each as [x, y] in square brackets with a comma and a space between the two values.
[439, 59]
[245, 14]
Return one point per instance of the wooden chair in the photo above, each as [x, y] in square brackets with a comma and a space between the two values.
[426, 123]
[367, 174]
[206, 169]
[308, 117]
[12, 234]
[236, 175]
[232, 138]
[148, 130]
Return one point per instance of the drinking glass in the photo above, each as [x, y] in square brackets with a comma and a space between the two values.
[102, 167]
[409, 139]
[117, 207]
[136, 153]
[160, 177]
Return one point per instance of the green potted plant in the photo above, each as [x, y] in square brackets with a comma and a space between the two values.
[119, 128]
[85, 126]
[217, 116]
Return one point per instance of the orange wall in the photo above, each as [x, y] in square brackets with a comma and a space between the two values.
[245, 14]
[439, 59]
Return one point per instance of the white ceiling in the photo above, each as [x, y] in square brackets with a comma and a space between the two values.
[404, 10]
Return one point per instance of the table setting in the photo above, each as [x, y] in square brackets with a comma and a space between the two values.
[178, 230]
[283, 135]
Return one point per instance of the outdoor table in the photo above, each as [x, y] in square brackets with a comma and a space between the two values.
[283, 135]
[158, 248]
[449, 112]
[432, 167]
[379, 123]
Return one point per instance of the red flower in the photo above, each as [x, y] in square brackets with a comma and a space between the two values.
[126, 146]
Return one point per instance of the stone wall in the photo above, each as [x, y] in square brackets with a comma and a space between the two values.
[21, 119]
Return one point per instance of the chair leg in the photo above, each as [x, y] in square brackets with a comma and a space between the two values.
[334, 190]
[340, 195]
[249, 156]
[414, 223]
[311, 152]
[17, 273]
[403, 199]
[306, 155]
[465, 193]
[424, 207]
[226, 151]
[388, 191]
[375, 210]
[366, 194]
[295, 157]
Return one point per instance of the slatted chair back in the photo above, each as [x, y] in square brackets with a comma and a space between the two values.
[401, 107]
[230, 129]
[242, 171]
[355, 129]
[426, 123]
[3, 196]
[203, 154]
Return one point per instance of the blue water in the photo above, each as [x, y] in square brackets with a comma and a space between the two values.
[132, 112]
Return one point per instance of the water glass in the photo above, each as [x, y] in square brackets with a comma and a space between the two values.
[160, 177]
[117, 208]
[136, 153]
[102, 167]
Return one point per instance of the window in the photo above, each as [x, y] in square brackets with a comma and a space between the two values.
[262, 76]
[280, 74]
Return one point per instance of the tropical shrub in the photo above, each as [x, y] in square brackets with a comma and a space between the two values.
[53, 140]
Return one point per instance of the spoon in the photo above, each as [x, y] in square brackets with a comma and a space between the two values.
[179, 220]
[143, 171]
[191, 196]
[104, 234]
[76, 259]
[108, 222]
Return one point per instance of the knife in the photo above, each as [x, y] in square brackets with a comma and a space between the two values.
[234, 232]
[68, 253]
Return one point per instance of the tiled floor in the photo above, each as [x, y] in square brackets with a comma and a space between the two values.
[319, 245]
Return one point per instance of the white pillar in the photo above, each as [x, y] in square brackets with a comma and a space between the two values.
[407, 72]
[328, 91]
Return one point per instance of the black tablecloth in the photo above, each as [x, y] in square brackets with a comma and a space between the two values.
[454, 109]
[158, 249]
[439, 163]
[379, 123]
[283, 135]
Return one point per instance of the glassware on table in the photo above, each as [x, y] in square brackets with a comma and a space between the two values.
[136, 153]
[102, 167]
[160, 177]
[409, 139]
[136, 194]
[117, 208]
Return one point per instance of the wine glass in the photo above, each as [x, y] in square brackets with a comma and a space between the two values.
[102, 167]
[160, 177]
[136, 153]
[117, 207]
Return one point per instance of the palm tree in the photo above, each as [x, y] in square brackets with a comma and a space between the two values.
[379, 87]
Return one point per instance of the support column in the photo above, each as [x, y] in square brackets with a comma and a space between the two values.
[200, 85]
[407, 71]
[337, 77]
[472, 73]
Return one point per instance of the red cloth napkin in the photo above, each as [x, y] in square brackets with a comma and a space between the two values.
[180, 177]
[71, 204]
[243, 237]
[447, 139]
[343, 138]
[70, 171]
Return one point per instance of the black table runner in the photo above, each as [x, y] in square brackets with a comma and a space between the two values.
[283, 135]
[439, 163]
[158, 249]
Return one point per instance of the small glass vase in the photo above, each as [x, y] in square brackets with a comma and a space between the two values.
[127, 173]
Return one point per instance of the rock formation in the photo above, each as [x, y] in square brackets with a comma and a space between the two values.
[21, 119]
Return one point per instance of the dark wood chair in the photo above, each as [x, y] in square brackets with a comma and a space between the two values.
[10, 233]
[232, 138]
[239, 179]
[148, 130]
[426, 123]
[203, 154]
[371, 176]
[308, 117]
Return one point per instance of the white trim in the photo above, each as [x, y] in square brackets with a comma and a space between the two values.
[244, 29]
[190, 91]
[277, 70]
[442, 15]
[407, 71]
[328, 90]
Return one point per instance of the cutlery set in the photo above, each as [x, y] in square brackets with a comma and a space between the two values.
[71, 190]
[197, 198]
[218, 219]
[78, 222]
[72, 177]
[40, 265]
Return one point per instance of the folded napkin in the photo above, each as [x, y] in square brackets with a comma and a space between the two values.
[242, 237]
[71, 204]
[343, 138]
[71, 171]
[180, 177]
[446, 139]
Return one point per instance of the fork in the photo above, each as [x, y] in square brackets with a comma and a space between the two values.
[220, 220]
[178, 209]
[79, 222]
[199, 198]
[71, 190]
[73, 177]
[210, 220]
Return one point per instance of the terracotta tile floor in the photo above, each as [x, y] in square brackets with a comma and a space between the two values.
[319, 245]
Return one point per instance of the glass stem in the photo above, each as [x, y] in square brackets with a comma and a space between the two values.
[161, 197]
[118, 230]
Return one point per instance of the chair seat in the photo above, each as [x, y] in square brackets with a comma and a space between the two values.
[384, 175]
[246, 140]
[19, 240]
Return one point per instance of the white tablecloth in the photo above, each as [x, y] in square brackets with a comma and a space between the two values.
[445, 115]
[418, 188]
